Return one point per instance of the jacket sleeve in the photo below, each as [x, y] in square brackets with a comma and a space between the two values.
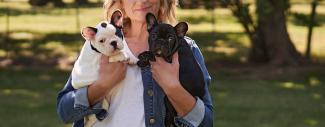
[73, 105]
[202, 113]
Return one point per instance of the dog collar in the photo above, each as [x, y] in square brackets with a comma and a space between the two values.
[93, 48]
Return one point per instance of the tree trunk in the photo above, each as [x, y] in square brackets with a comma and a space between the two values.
[310, 28]
[272, 35]
[270, 41]
[258, 50]
[279, 46]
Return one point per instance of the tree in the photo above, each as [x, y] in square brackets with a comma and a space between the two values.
[270, 41]
[310, 27]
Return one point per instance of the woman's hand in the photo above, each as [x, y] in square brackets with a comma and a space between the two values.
[166, 74]
[110, 74]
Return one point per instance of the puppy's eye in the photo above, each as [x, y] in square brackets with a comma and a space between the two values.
[102, 40]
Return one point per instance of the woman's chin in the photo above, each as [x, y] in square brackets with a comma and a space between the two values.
[139, 18]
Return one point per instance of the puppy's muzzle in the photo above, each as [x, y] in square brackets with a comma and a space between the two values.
[114, 44]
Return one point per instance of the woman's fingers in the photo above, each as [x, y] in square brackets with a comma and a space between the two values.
[104, 59]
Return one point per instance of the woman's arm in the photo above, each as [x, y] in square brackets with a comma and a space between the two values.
[74, 105]
[207, 100]
[110, 74]
[192, 111]
[168, 79]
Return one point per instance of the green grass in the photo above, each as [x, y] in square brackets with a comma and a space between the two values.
[253, 99]
[28, 96]
[242, 97]
[43, 41]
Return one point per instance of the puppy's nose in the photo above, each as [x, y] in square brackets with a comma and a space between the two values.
[114, 44]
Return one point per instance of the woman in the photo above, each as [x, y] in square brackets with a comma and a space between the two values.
[138, 100]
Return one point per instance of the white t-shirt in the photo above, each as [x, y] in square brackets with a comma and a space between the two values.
[126, 105]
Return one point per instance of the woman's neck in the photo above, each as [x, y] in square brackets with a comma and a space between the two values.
[137, 37]
[138, 31]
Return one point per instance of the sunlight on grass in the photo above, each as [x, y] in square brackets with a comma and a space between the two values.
[25, 45]
[313, 81]
[222, 94]
[45, 77]
[57, 47]
[311, 122]
[20, 92]
[226, 50]
[317, 96]
[2, 53]
[26, 53]
[22, 35]
[306, 8]
[299, 38]
[292, 85]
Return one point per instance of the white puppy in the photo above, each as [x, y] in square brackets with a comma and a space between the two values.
[105, 39]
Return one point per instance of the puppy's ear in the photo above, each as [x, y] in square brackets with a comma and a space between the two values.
[181, 29]
[117, 19]
[151, 21]
[89, 33]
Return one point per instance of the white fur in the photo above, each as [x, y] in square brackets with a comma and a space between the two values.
[85, 70]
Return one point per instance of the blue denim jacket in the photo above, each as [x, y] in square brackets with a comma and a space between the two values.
[73, 105]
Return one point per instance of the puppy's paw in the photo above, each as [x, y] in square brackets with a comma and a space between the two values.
[133, 60]
[113, 59]
[141, 63]
[121, 57]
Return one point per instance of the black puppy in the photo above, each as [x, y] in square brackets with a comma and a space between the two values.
[164, 41]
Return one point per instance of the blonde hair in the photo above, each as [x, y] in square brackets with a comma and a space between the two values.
[166, 13]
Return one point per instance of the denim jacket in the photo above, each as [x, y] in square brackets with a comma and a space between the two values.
[73, 105]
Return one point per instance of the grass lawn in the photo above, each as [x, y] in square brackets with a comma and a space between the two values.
[242, 97]
[290, 98]
[44, 41]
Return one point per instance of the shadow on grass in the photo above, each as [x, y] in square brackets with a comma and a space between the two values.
[41, 49]
[47, 10]
[34, 11]
[26, 91]
[196, 20]
[47, 48]
[37, 49]
[248, 98]
[226, 46]
[301, 19]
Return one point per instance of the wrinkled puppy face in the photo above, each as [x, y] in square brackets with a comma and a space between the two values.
[163, 38]
[106, 37]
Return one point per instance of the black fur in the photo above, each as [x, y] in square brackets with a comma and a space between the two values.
[167, 39]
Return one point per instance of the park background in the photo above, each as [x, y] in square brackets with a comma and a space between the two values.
[274, 85]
